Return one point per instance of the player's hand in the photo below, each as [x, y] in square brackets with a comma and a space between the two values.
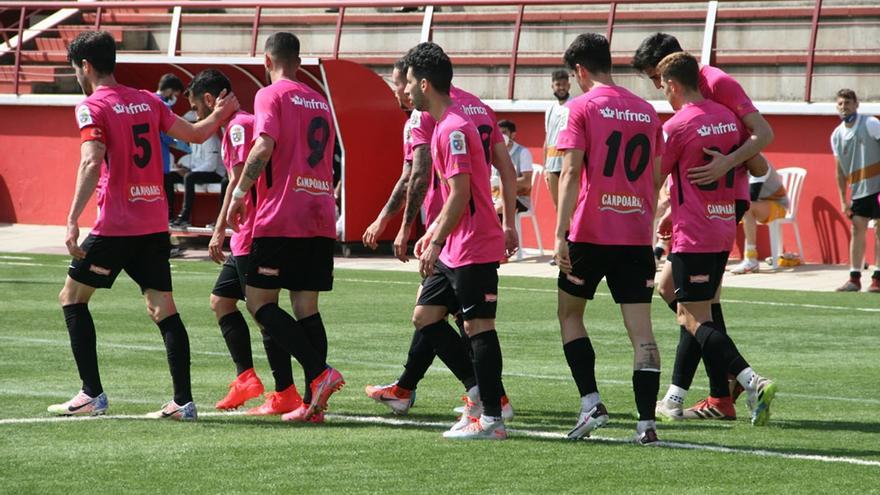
[236, 213]
[226, 104]
[422, 245]
[400, 244]
[215, 247]
[560, 254]
[511, 242]
[847, 211]
[711, 171]
[428, 257]
[664, 227]
[371, 235]
[71, 240]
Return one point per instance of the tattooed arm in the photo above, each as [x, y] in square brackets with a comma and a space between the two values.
[415, 196]
[256, 162]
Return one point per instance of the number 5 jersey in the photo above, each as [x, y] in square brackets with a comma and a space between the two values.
[295, 192]
[130, 195]
[620, 135]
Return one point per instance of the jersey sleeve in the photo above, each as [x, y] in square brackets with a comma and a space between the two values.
[671, 148]
[422, 130]
[167, 118]
[454, 153]
[659, 139]
[235, 142]
[266, 112]
[90, 122]
[728, 92]
[572, 127]
[873, 126]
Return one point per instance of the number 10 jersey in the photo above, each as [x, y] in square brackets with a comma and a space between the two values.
[620, 135]
[130, 194]
[295, 192]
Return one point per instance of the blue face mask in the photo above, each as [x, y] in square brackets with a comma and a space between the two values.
[849, 119]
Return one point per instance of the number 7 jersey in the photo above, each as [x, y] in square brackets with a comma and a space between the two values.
[620, 135]
[295, 191]
[130, 194]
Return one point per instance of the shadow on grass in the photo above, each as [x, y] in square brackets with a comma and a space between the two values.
[30, 282]
[828, 425]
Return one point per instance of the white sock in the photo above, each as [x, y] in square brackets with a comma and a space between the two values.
[647, 424]
[856, 268]
[590, 401]
[747, 378]
[488, 420]
[473, 394]
[676, 394]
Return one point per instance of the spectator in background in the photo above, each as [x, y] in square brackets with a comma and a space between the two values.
[769, 202]
[522, 162]
[170, 88]
[205, 164]
[553, 118]
[856, 146]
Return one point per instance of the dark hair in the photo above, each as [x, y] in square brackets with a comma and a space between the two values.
[847, 94]
[283, 46]
[98, 47]
[653, 49]
[170, 81]
[681, 67]
[559, 74]
[507, 124]
[428, 61]
[400, 65]
[590, 51]
[209, 81]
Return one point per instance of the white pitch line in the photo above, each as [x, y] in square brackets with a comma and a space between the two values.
[549, 291]
[24, 258]
[378, 420]
[561, 377]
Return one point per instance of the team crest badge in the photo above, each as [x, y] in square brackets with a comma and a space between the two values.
[84, 116]
[236, 135]
[457, 145]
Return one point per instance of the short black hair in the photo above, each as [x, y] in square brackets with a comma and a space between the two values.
[559, 74]
[847, 94]
[590, 51]
[98, 47]
[681, 67]
[283, 46]
[653, 49]
[400, 65]
[507, 124]
[209, 81]
[429, 61]
[170, 81]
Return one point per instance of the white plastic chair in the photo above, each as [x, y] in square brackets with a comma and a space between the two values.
[537, 179]
[793, 180]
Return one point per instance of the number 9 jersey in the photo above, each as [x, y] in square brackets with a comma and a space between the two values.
[130, 194]
[295, 192]
[620, 135]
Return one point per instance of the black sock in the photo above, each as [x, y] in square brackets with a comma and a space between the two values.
[646, 386]
[314, 328]
[855, 275]
[290, 336]
[177, 350]
[488, 364]
[448, 346]
[238, 340]
[279, 362]
[876, 275]
[719, 349]
[582, 362]
[418, 360]
[673, 306]
[81, 329]
[466, 341]
[718, 318]
[687, 359]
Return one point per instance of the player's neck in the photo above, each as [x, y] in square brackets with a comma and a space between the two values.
[437, 106]
[105, 82]
[691, 97]
[597, 81]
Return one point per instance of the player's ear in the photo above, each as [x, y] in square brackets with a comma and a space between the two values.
[209, 100]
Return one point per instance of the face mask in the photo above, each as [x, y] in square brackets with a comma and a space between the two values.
[506, 139]
[849, 119]
[170, 101]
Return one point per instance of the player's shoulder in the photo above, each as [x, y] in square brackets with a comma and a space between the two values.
[242, 118]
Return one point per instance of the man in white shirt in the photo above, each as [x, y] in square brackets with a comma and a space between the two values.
[553, 117]
[522, 162]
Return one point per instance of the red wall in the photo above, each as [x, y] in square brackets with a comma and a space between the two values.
[801, 141]
[41, 150]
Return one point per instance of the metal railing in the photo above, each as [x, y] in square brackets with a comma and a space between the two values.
[102, 9]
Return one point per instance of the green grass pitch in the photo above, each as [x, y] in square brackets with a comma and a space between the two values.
[824, 434]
